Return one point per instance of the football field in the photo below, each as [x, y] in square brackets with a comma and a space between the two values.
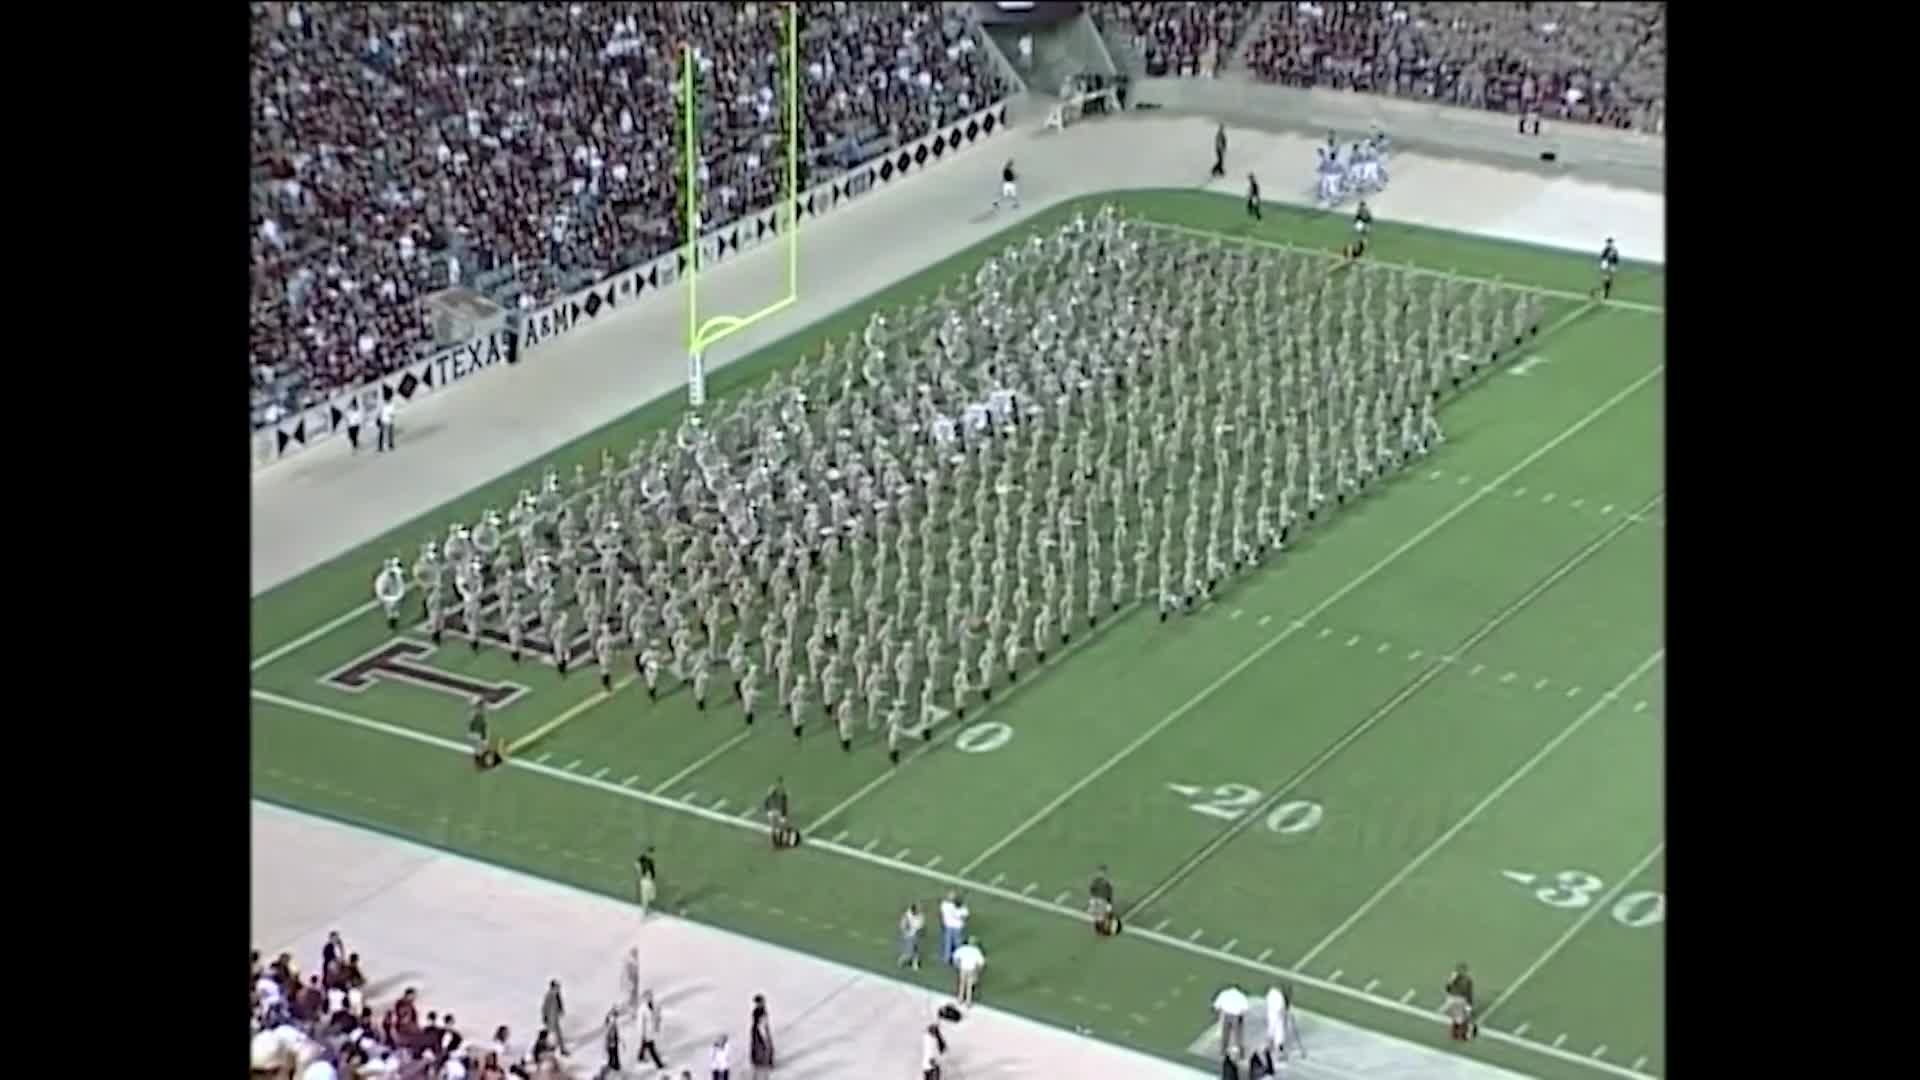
[1430, 733]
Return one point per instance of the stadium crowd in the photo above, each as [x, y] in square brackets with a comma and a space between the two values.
[319, 1026]
[526, 149]
[1602, 63]
[1178, 38]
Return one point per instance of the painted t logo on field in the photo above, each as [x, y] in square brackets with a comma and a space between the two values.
[397, 660]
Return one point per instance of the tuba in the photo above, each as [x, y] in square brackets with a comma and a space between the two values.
[426, 569]
[458, 547]
[486, 535]
[390, 584]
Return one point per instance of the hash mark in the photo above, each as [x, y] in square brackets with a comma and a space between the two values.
[775, 911]
[871, 844]
[542, 759]
[901, 855]
[1371, 983]
[1265, 619]
[1434, 475]
[628, 782]
[1462, 481]
[933, 862]
[1228, 947]
[1573, 692]
[1477, 669]
[1337, 972]
[689, 797]
[1062, 898]
[839, 836]
[1600, 1051]
[1028, 891]
[1521, 1030]
[1577, 503]
[1639, 706]
[1195, 936]
[574, 764]
[1382, 649]
[1607, 509]
[1541, 685]
[1547, 498]
[1508, 677]
[719, 804]
[1324, 632]
[1161, 925]
[1352, 641]
[1237, 612]
[1406, 997]
[1561, 1039]
[1262, 958]
[1639, 1061]
[1519, 492]
[1414, 655]
[997, 879]
[601, 773]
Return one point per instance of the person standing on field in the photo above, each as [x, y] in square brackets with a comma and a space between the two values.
[911, 923]
[649, 1024]
[353, 424]
[553, 1012]
[970, 960]
[383, 435]
[644, 871]
[1220, 152]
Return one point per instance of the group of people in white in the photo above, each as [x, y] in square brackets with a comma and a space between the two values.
[1280, 1044]
[890, 531]
[1357, 172]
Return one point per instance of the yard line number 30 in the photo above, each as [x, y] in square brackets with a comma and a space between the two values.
[1577, 889]
[1230, 802]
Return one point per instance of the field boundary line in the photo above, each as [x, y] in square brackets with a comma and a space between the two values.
[1415, 269]
[285, 649]
[1579, 924]
[950, 880]
[1480, 807]
[1313, 613]
[1405, 694]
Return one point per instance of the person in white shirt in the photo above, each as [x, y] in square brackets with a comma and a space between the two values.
[353, 424]
[384, 437]
[911, 923]
[1230, 1005]
[1026, 52]
[721, 1059]
[1280, 1030]
[932, 1045]
[953, 925]
[970, 960]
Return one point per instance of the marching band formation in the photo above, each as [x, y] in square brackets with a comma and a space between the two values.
[1360, 173]
[885, 533]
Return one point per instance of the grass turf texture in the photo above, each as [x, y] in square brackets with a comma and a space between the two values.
[1378, 802]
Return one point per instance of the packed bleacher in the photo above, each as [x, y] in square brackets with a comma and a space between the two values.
[523, 150]
[1601, 63]
[1178, 38]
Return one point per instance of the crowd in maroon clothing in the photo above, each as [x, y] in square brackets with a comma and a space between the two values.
[1179, 38]
[398, 148]
[1601, 63]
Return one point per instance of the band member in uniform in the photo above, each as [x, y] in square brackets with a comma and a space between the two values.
[702, 674]
[1253, 197]
[486, 754]
[603, 656]
[779, 826]
[750, 689]
[643, 872]
[390, 587]
[1459, 1006]
[1100, 903]
[1362, 223]
[1609, 263]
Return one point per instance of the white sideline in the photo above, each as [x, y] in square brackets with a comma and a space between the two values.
[1480, 807]
[956, 881]
[1309, 616]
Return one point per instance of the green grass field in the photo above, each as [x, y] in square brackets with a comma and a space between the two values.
[1431, 733]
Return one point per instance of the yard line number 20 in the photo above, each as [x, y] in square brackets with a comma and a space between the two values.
[1230, 802]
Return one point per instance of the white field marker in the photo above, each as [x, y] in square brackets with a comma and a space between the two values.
[1371, 983]
[691, 798]
[1639, 1061]
[1324, 631]
[1477, 669]
[542, 759]
[1262, 958]
[1161, 925]
[628, 782]
[1434, 475]
[603, 771]
[1508, 677]
[574, 765]
[1541, 685]
[1463, 481]
[842, 835]
[1559, 1040]
[1578, 503]
[1521, 1030]
[1236, 613]
[1600, 1051]
[1406, 997]
[1228, 947]
[1639, 706]
[1547, 498]
[901, 855]
[1382, 650]
[1032, 886]
[1519, 493]
[1414, 655]
[871, 844]
[1265, 619]
[1352, 641]
[997, 879]
[1195, 936]
[1573, 691]
[719, 804]
[1607, 509]
[1062, 898]
[1337, 972]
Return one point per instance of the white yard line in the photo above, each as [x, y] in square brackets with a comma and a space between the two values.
[308, 638]
[1605, 902]
[1405, 694]
[1480, 807]
[702, 762]
[1410, 268]
[954, 881]
[1318, 609]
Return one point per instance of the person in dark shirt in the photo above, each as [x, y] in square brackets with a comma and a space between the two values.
[1220, 152]
[644, 872]
[1253, 197]
[1100, 903]
[1609, 263]
[779, 826]
[1362, 225]
[1459, 1006]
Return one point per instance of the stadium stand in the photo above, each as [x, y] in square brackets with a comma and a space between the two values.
[1603, 63]
[1179, 38]
[521, 150]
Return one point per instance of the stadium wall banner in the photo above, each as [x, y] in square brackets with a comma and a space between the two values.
[318, 423]
[570, 313]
